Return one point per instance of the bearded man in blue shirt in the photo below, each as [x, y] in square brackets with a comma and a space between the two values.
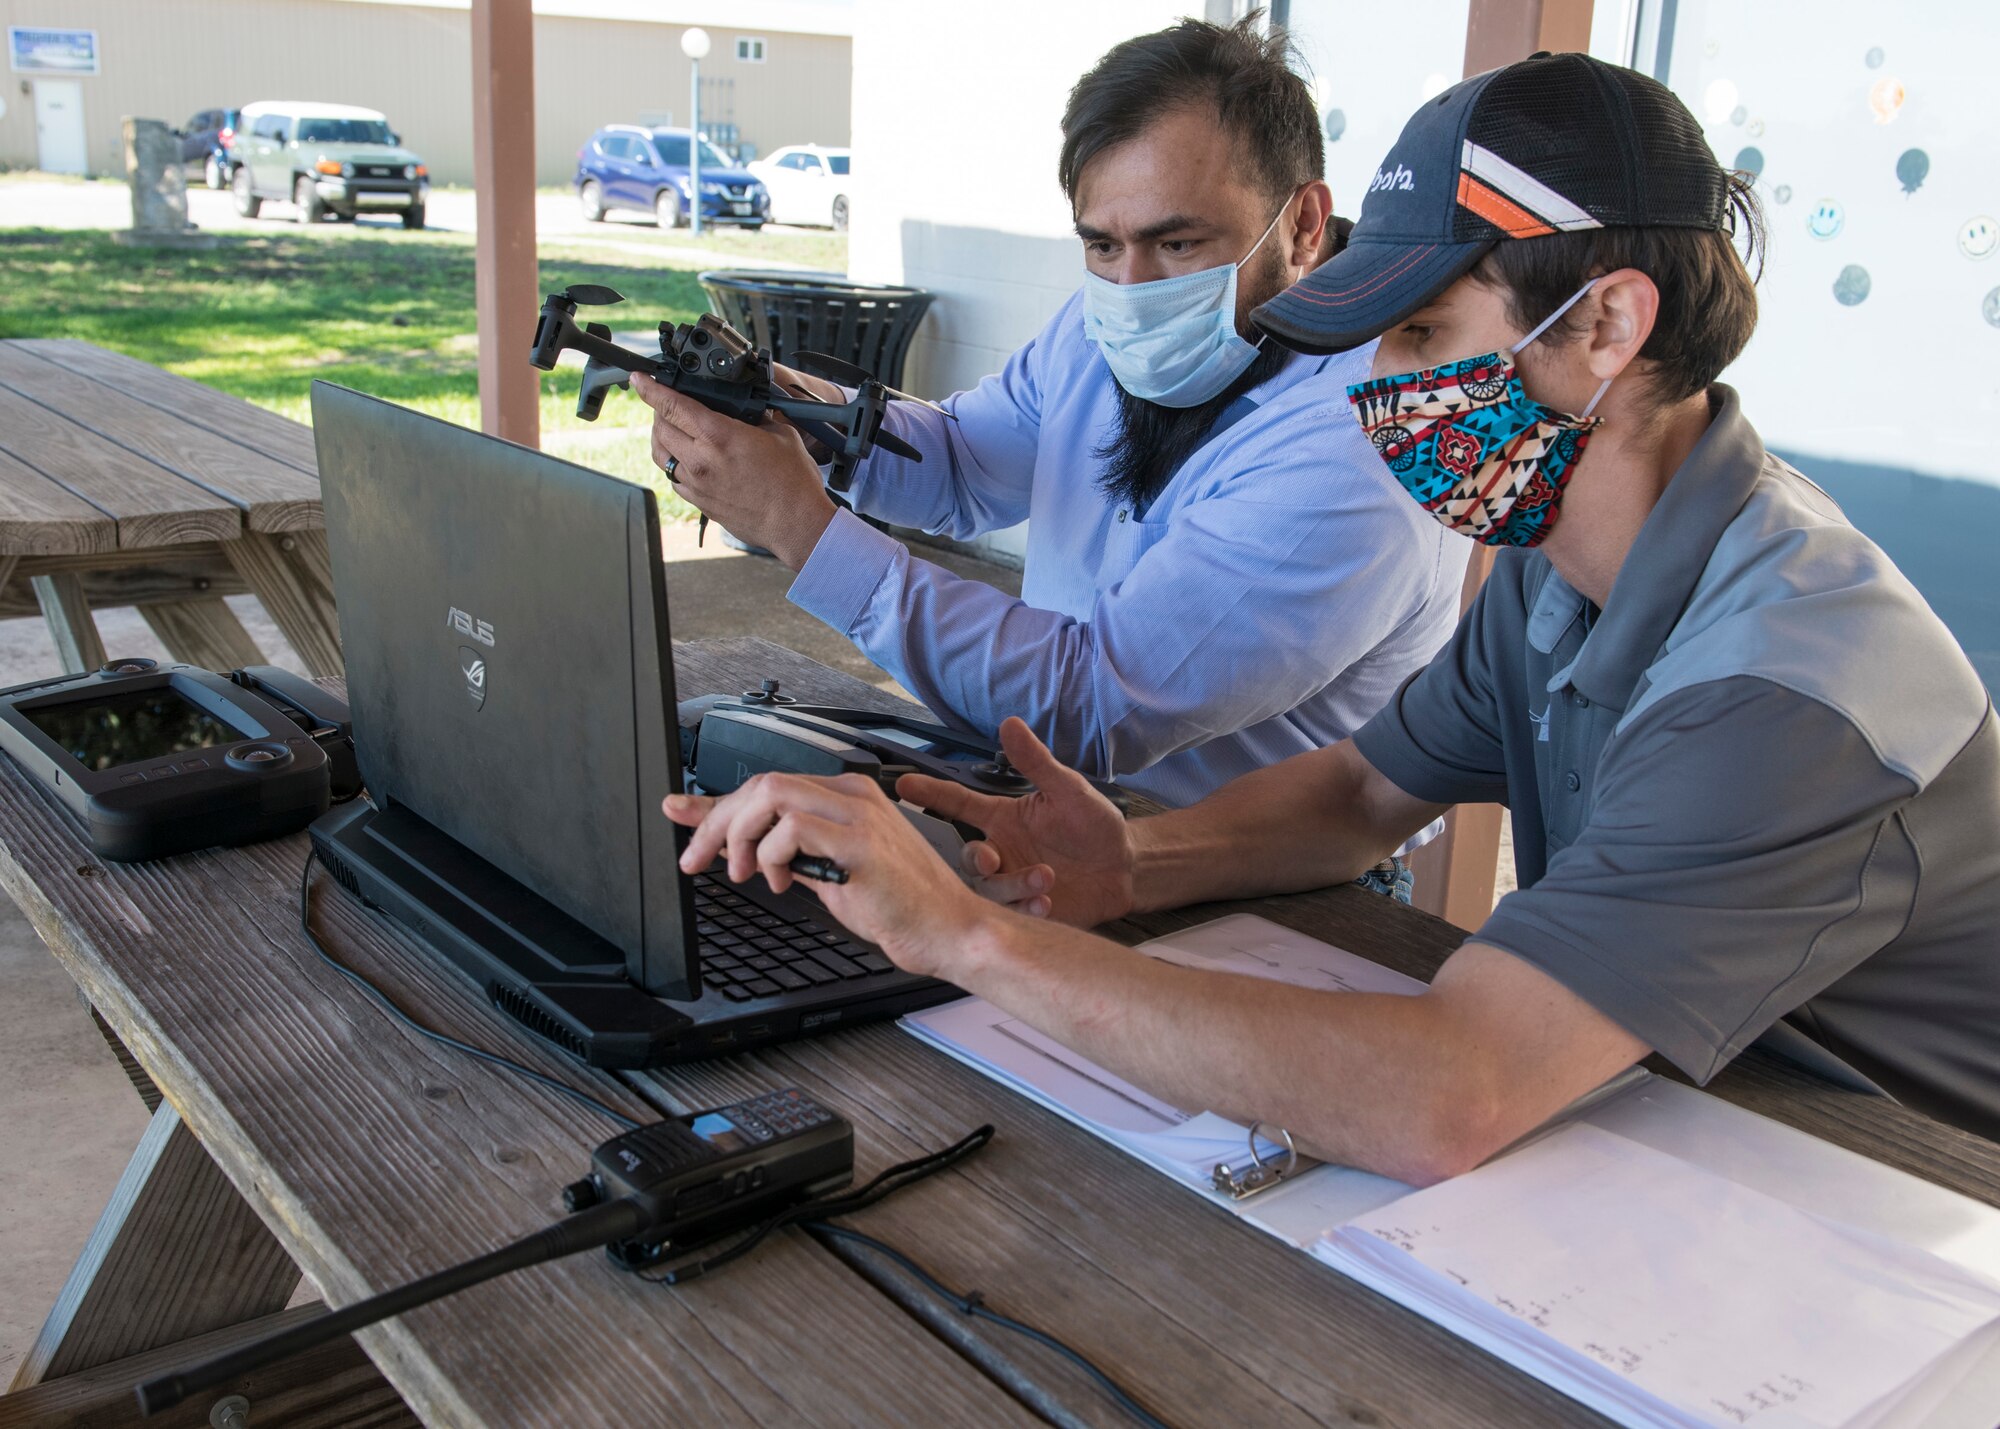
[1209, 589]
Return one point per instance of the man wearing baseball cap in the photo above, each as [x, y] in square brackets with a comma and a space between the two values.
[1755, 785]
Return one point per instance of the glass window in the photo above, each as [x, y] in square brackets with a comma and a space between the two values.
[615, 146]
[344, 131]
[839, 163]
[810, 163]
[674, 152]
[1365, 92]
[750, 49]
[1870, 134]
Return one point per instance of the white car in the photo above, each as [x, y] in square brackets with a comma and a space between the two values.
[808, 184]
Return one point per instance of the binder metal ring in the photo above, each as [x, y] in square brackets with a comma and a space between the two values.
[1247, 1178]
[1291, 1151]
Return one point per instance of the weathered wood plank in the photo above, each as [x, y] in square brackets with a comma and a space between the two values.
[122, 578]
[67, 610]
[151, 505]
[375, 1156]
[294, 580]
[39, 517]
[127, 1063]
[175, 1253]
[332, 1387]
[233, 417]
[204, 633]
[273, 494]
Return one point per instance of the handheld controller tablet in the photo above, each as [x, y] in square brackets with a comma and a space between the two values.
[158, 760]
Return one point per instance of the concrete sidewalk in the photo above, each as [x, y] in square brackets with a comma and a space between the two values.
[70, 1117]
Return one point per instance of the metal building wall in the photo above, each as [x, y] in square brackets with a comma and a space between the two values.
[165, 59]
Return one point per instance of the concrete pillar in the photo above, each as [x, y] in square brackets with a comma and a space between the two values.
[153, 169]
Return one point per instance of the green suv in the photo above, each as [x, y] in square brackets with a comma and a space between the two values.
[325, 159]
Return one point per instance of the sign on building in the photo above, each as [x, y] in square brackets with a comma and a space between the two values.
[31, 51]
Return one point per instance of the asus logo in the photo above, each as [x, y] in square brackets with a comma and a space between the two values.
[465, 625]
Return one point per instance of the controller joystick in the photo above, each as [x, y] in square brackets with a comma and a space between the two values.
[767, 695]
[1002, 772]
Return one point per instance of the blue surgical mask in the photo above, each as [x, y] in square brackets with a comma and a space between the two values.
[1172, 341]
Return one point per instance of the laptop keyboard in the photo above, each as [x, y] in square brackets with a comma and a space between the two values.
[748, 951]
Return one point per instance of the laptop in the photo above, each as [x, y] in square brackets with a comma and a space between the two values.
[504, 619]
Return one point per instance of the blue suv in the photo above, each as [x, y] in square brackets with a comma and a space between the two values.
[626, 166]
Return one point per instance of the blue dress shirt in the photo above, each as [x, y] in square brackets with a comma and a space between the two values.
[1269, 600]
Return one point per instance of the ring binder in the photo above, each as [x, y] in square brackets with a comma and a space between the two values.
[1239, 1180]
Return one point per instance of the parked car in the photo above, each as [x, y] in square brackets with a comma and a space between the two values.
[326, 160]
[808, 184]
[205, 141]
[629, 167]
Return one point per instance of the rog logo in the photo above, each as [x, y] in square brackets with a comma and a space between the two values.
[472, 665]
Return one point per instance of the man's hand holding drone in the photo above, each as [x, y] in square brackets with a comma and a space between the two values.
[759, 482]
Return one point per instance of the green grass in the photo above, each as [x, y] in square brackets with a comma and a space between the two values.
[392, 315]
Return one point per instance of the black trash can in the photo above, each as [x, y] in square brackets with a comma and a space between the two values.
[861, 323]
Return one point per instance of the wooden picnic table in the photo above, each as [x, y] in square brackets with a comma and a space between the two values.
[305, 1130]
[121, 484]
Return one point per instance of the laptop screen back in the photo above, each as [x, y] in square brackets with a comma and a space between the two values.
[503, 620]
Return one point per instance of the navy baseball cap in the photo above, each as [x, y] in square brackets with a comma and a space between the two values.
[1551, 144]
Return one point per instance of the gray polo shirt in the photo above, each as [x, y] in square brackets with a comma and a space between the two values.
[1757, 793]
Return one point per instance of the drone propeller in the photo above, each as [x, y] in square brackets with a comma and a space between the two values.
[834, 369]
[896, 446]
[592, 295]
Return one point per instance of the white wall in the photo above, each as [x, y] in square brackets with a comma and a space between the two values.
[957, 115]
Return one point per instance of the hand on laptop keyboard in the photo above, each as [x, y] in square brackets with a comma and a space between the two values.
[899, 893]
[748, 951]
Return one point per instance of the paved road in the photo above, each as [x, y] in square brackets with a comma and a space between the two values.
[107, 204]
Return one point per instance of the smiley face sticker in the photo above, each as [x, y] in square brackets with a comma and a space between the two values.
[1826, 219]
[1978, 237]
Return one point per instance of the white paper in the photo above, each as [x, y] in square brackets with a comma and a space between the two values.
[1860, 1202]
[1187, 1144]
[1257, 947]
[1661, 1293]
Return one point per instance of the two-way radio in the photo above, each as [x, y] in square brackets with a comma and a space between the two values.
[656, 1191]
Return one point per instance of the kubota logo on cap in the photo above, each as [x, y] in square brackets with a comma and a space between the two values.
[1402, 178]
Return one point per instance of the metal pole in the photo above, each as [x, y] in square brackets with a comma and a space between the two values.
[694, 149]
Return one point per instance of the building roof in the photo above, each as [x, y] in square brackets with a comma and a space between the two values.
[310, 109]
[794, 17]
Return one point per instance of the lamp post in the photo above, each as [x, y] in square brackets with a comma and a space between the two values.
[694, 44]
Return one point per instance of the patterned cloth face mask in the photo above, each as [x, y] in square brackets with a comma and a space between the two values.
[1469, 443]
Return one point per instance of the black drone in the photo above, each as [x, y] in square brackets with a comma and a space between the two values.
[713, 363]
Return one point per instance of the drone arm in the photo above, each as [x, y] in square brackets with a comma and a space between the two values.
[558, 332]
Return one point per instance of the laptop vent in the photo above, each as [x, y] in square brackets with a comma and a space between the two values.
[342, 874]
[518, 1007]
